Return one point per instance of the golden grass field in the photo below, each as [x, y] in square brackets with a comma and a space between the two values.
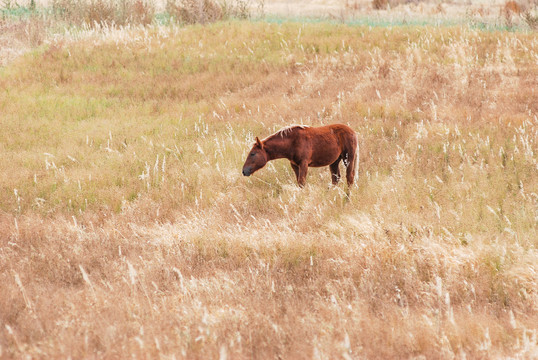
[127, 230]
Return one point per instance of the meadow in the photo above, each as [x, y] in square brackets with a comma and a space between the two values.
[126, 227]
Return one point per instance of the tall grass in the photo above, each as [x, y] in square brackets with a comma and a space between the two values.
[118, 13]
[127, 226]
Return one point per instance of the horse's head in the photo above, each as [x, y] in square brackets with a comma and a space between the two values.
[256, 159]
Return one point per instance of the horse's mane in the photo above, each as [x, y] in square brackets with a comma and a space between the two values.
[285, 131]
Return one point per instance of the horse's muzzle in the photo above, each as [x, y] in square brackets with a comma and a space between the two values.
[246, 172]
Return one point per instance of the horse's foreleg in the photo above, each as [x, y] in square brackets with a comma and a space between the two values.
[301, 175]
[300, 172]
[295, 170]
[335, 171]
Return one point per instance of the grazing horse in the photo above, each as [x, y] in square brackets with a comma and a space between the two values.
[306, 146]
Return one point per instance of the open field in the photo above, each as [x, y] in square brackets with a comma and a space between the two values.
[127, 228]
[26, 24]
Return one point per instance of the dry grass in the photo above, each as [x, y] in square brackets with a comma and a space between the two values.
[194, 11]
[99, 13]
[127, 228]
[20, 36]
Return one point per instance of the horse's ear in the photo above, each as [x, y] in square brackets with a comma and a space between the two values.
[259, 143]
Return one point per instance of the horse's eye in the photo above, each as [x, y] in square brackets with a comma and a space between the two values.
[252, 154]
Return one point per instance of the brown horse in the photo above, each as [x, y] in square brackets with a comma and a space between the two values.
[306, 146]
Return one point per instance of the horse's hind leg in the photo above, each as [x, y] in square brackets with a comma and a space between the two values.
[335, 171]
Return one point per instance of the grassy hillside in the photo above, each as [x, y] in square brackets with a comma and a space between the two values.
[126, 226]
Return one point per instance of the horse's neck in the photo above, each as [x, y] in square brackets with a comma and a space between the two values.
[277, 147]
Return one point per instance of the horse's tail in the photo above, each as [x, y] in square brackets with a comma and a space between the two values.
[352, 171]
[356, 163]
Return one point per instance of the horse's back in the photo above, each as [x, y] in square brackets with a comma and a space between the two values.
[342, 129]
[346, 136]
[325, 144]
